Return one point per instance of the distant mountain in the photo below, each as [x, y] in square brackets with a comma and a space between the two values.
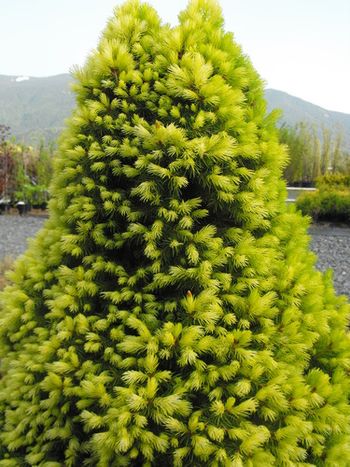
[297, 110]
[35, 108]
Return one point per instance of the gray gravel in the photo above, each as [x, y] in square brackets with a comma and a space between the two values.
[331, 244]
[14, 232]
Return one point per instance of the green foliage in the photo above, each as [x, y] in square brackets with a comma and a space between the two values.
[169, 312]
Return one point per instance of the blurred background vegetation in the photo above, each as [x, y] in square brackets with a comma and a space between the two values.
[317, 158]
[25, 171]
[313, 152]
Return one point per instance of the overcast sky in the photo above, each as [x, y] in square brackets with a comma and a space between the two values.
[298, 46]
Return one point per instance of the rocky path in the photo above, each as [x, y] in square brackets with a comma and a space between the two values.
[332, 246]
[14, 233]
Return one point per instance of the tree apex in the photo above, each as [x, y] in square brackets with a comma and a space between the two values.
[203, 11]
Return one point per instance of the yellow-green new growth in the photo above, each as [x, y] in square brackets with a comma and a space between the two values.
[169, 312]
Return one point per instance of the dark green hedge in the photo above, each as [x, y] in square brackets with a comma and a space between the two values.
[328, 205]
[337, 181]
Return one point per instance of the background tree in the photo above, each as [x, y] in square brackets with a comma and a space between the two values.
[311, 156]
[337, 165]
[326, 151]
[316, 150]
[7, 163]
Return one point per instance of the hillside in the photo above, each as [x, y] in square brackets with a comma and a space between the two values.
[35, 108]
[297, 110]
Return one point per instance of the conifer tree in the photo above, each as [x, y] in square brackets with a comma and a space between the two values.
[169, 312]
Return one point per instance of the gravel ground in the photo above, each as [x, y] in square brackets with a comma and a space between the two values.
[14, 232]
[331, 244]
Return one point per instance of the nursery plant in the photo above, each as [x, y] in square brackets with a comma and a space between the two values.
[169, 312]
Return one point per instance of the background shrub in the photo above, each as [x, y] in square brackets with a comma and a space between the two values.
[334, 180]
[326, 205]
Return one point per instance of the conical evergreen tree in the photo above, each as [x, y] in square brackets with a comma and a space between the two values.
[169, 312]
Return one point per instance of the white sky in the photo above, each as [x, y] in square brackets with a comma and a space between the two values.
[298, 46]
